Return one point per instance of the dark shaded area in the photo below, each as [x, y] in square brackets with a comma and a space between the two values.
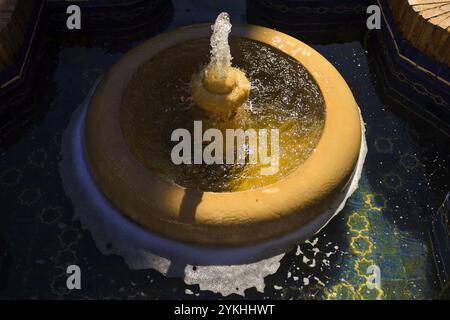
[313, 21]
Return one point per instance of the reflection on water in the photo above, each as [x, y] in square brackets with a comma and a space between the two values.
[284, 96]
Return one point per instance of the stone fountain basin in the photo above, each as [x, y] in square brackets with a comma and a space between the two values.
[293, 203]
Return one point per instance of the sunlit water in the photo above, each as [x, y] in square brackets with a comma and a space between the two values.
[220, 48]
[283, 96]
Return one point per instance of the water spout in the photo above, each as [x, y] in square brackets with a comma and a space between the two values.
[220, 49]
[220, 88]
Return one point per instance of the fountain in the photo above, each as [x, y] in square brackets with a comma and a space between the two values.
[277, 84]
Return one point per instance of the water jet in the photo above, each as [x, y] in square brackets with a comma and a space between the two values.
[220, 88]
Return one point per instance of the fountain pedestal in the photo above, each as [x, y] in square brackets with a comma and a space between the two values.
[220, 95]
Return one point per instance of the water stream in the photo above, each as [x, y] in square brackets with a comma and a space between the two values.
[220, 48]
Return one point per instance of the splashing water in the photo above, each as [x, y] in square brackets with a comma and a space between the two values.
[284, 95]
[220, 49]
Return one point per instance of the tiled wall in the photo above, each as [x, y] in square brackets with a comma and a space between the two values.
[421, 83]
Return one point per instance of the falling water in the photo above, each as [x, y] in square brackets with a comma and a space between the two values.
[220, 49]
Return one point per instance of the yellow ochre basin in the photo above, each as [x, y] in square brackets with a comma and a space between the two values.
[222, 218]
